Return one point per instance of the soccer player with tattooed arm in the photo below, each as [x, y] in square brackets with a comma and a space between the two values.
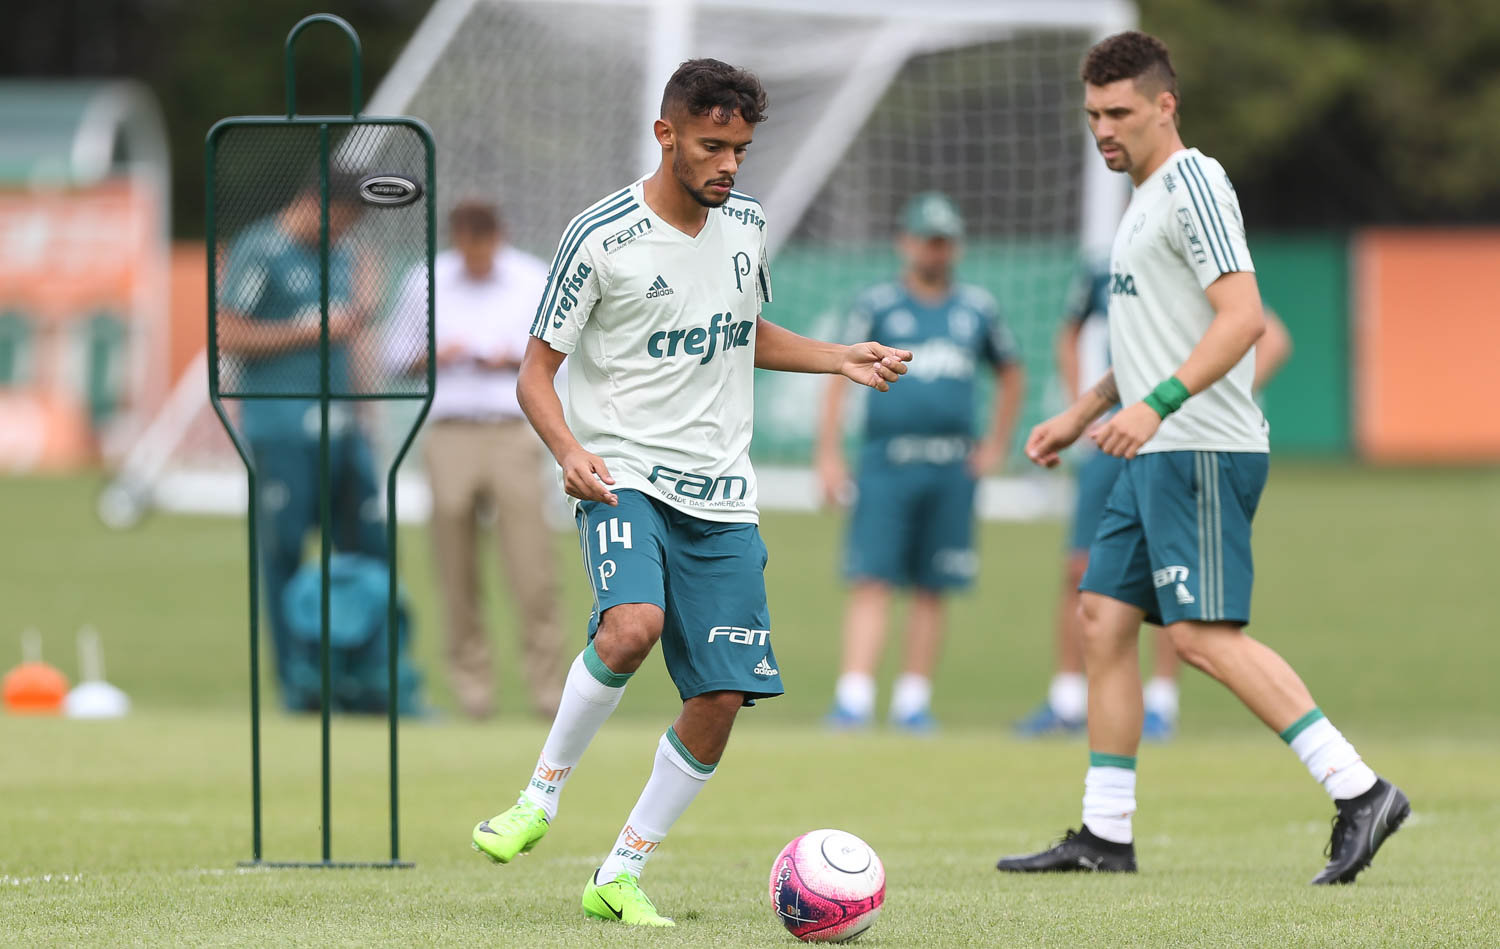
[1173, 546]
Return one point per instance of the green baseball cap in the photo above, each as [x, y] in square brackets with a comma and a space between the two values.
[932, 214]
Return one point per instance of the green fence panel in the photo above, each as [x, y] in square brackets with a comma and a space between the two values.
[1305, 279]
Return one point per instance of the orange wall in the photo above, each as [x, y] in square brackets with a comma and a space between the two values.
[1427, 345]
[189, 305]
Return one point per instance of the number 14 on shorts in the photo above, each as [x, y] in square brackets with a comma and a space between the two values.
[613, 531]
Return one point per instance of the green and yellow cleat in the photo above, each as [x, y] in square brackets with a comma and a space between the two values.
[621, 900]
[513, 832]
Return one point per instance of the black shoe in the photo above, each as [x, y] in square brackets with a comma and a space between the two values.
[1079, 850]
[1360, 827]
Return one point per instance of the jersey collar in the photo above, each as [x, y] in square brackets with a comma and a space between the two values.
[661, 226]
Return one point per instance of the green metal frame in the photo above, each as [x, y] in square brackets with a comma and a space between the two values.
[323, 123]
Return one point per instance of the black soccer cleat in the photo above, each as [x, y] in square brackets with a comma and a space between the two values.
[1361, 825]
[1078, 851]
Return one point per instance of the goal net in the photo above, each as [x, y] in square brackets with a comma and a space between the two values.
[543, 106]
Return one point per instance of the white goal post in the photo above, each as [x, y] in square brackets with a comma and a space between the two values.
[545, 105]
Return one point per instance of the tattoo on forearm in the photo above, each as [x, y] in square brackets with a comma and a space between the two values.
[1106, 389]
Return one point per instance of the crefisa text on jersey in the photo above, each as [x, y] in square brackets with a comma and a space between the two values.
[745, 215]
[569, 293]
[665, 344]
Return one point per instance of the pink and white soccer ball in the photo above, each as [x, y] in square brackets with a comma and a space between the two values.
[827, 886]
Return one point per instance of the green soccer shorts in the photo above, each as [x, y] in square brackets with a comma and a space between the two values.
[1175, 536]
[708, 577]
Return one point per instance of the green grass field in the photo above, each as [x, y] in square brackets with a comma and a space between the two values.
[1376, 585]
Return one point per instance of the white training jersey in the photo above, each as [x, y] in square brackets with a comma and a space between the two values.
[661, 328]
[1181, 232]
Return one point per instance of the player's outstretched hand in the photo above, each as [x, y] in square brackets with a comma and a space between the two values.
[1052, 436]
[586, 477]
[1125, 433]
[874, 365]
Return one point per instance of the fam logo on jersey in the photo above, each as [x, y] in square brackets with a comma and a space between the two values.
[745, 216]
[1169, 182]
[699, 341]
[568, 293]
[614, 242]
[1190, 232]
[1122, 284]
[688, 485]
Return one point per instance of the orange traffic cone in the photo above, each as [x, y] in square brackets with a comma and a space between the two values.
[33, 687]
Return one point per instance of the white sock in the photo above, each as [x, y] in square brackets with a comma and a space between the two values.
[1109, 797]
[912, 695]
[676, 778]
[1329, 757]
[1069, 696]
[855, 693]
[589, 696]
[1161, 697]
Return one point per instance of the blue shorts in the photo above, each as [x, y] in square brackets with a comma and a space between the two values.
[1175, 536]
[708, 577]
[1096, 478]
[913, 526]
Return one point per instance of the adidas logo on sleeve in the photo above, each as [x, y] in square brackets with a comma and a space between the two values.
[658, 288]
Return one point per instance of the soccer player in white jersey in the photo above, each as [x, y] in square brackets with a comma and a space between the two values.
[1173, 546]
[656, 292]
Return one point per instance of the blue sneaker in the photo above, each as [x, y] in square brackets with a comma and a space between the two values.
[1157, 727]
[841, 719]
[1043, 722]
[919, 723]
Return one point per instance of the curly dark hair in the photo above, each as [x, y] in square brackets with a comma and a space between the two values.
[1131, 55]
[714, 88]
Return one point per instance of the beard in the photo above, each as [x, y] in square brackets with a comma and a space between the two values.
[702, 195]
[1121, 161]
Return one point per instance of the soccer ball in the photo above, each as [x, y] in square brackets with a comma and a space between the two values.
[827, 886]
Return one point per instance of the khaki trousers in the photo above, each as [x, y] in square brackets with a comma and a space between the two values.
[470, 464]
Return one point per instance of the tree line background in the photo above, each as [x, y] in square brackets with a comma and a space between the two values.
[1327, 113]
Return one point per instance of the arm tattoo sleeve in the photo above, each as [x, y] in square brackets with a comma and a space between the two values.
[1107, 390]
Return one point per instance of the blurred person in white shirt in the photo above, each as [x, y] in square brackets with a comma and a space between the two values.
[482, 455]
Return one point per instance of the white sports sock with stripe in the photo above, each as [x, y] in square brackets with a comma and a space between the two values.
[590, 695]
[1329, 757]
[676, 778]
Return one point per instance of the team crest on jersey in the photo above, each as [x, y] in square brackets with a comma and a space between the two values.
[962, 324]
[901, 323]
[741, 264]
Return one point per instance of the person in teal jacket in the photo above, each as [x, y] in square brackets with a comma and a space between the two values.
[269, 309]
